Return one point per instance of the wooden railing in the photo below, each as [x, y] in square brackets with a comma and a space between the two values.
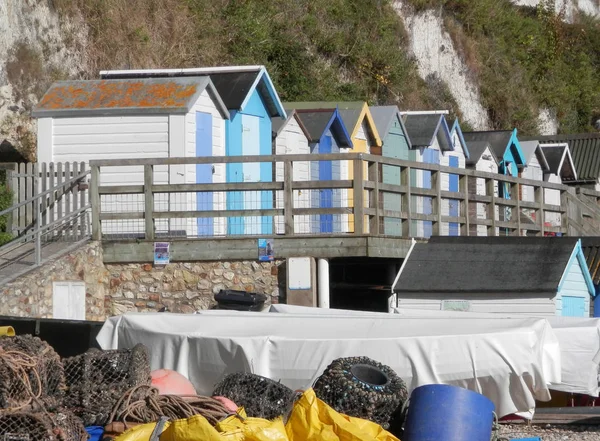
[280, 216]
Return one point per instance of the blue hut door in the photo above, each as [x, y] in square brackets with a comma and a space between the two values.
[251, 171]
[326, 196]
[430, 156]
[453, 203]
[204, 172]
[573, 306]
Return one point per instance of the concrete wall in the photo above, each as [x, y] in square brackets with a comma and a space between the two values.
[115, 289]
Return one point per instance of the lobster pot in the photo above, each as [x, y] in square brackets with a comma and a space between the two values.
[97, 380]
[441, 412]
[24, 426]
[42, 370]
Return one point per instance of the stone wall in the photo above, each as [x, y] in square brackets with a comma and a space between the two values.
[187, 287]
[31, 294]
[115, 289]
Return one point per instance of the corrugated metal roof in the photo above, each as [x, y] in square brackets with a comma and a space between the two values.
[591, 251]
[585, 150]
[486, 265]
[95, 97]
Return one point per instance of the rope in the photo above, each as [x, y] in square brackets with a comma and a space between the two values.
[21, 365]
[153, 406]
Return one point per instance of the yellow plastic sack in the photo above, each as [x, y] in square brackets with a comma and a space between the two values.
[311, 420]
[7, 330]
[314, 420]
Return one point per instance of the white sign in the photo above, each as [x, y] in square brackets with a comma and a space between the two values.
[299, 273]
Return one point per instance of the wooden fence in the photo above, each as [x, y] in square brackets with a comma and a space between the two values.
[368, 212]
[26, 181]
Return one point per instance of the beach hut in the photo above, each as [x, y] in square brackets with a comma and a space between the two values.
[322, 132]
[535, 276]
[138, 118]
[430, 138]
[365, 139]
[397, 145]
[251, 98]
[456, 158]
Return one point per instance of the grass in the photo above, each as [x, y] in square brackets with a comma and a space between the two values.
[523, 59]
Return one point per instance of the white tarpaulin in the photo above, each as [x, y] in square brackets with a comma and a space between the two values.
[502, 359]
[578, 338]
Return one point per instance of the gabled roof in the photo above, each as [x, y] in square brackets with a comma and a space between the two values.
[500, 141]
[383, 116]
[560, 161]
[119, 97]
[234, 83]
[423, 130]
[455, 128]
[278, 123]
[502, 265]
[591, 251]
[530, 148]
[319, 121]
[585, 150]
[353, 114]
[476, 151]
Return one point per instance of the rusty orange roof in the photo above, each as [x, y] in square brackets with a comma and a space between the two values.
[111, 97]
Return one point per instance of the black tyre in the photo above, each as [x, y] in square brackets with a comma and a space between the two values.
[259, 396]
[363, 388]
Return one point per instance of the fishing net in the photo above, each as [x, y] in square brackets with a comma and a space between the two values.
[363, 388]
[97, 380]
[25, 426]
[31, 374]
[260, 396]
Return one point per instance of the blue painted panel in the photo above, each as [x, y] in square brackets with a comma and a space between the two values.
[251, 171]
[325, 196]
[453, 227]
[266, 173]
[573, 306]
[430, 156]
[204, 200]
[235, 172]
[256, 106]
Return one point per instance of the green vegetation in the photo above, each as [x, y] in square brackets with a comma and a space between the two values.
[524, 59]
[6, 199]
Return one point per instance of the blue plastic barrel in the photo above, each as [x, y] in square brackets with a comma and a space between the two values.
[440, 412]
[95, 433]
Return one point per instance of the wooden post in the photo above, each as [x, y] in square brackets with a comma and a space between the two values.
[491, 191]
[374, 222]
[82, 193]
[74, 223]
[288, 198]
[540, 215]
[95, 202]
[149, 201]
[10, 182]
[436, 183]
[359, 196]
[564, 216]
[516, 190]
[60, 191]
[406, 208]
[36, 213]
[463, 184]
[67, 190]
[52, 195]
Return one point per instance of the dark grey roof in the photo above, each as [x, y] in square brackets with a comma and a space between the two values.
[234, 86]
[532, 147]
[476, 149]
[316, 122]
[486, 265]
[591, 251]
[554, 155]
[498, 140]
[585, 150]
[383, 116]
[422, 128]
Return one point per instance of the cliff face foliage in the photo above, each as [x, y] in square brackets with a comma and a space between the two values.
[522, 59]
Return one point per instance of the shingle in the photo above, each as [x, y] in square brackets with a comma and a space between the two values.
[81, 97]
[498, 140]
[486, 265]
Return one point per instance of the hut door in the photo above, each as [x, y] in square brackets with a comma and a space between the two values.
[573, 306]
[204, 172]
[326, 196]
[251, 171]
[453, 203]
[430, 156]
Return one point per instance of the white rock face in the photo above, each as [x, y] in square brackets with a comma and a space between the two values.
[435, 54]
[547, 122]
[33, 23]
[589, 7]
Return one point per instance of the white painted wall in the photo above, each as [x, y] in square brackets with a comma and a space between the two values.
[205, 104]
[526, 304]
[445, 160]
[552, 197]
[292, 141]
[486, 164]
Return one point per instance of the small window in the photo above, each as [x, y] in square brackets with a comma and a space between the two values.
[68, 300]
[456, 305]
